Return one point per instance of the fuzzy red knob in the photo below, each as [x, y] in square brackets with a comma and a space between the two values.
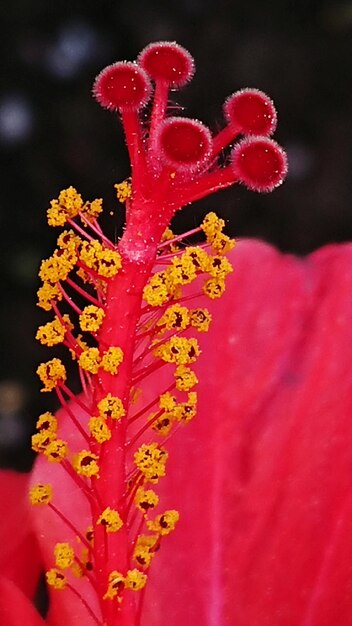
[184, 144]
[122, 86]
[167, 61]
[251, 111]
[259, 163]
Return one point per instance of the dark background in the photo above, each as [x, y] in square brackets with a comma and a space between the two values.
[53, 134]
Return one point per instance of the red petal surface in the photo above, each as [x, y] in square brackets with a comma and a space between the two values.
[262, 476]
[15, 608]
[19, 554]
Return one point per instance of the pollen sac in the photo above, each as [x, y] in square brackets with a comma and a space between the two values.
[251, 111]
[168, 62]
[259, 163]
[185, 144]
[122, 86]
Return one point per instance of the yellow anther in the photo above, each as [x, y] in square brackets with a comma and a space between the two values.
[93, 209]
[111, 359]
[116, 584]
[158, 289]
[182, 270]
[69, 239]
[146, 499]
[151, 460]
[220, 267]
[47, 422]
[56, 579]
[64, 555]
[176, 317]
[185, 378]
[56, 451]
[54, 332]
[41, 440]
[67, 206]
[85, 463]
[47, 294]
[144, 549]
[199, 257]
[222, 244]
[123, 191]
[102, 260]
[89, 360]
[111, 520]
[163, 424]
[112, 407]
[212, 226]
[164, 524]
[178, 350]
[99, 430]
[51, 373]
[185, 411]
[58, 266]
[135, 580]
[214, 288]
[200, 319]
[91, 318]
[41, 494]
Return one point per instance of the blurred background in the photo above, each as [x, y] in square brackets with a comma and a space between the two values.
[53, 134]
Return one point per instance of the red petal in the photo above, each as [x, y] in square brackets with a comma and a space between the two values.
[262, 476]
[15, 608]
[19, 554]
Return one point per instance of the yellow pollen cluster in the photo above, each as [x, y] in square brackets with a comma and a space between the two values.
[56, 579]
[111, 359]
[214, 288]
[176, 317]
[178, 350]
[111, 520]
[112, 407]
[67, 206]
[56, 451]
[185, 378]
[51, 373]
[146, 499]
[144, 549]
[212, 227]
[158, 289]
[47, 422]
[69, 239]
[91, 318]
[151, 460]
[47, 294]
[123, 191]
[116, 584]
[93, 209]
[58, 266]
[220, 267]
[85, 463]
[53, 333]
[175, 411]
[135, 580]
[102, 260]
[164, 524]
[89, 360]
[200, 319]
[41, 440]
[99, 430]
[182, 270]
[41, 494]
[64, 555]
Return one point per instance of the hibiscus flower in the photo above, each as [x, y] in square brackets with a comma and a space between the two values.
[244, 484]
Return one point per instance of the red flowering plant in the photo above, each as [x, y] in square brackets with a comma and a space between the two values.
[118, 469]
